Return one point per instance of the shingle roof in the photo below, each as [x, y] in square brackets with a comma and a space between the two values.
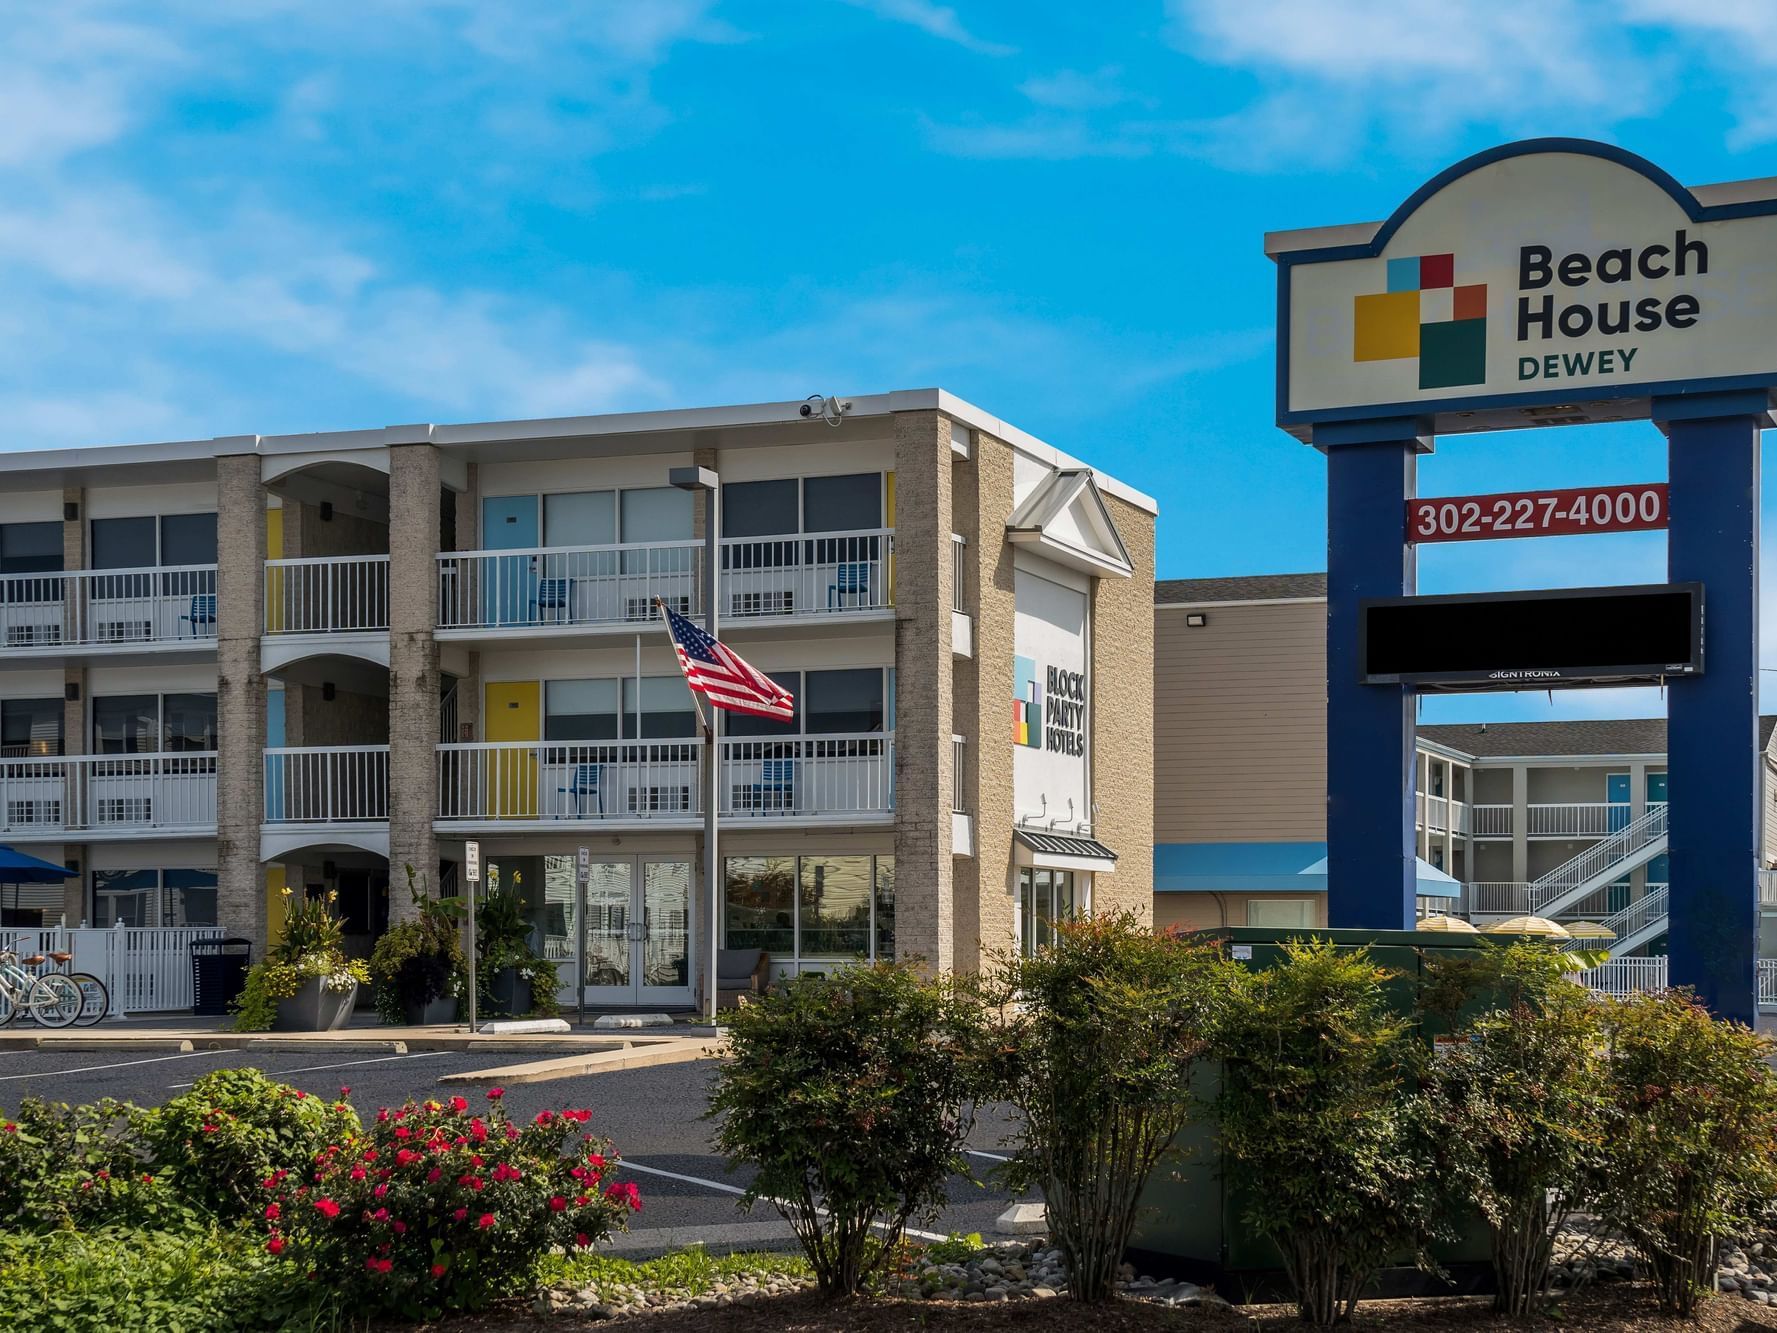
[1630, 735]
[1239, 588]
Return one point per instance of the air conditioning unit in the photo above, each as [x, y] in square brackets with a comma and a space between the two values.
[642, 608]
[778, 602]
[125, 631]
[25, 636]
[125, 809]
[659, 800]
[32, 814]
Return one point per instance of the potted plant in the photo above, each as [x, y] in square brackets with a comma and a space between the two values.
[306, 983]
[511, 978]
[417, 965]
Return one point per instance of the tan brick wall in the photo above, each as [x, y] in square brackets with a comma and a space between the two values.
[308, 535]
[240, 696]
[1123, 718]
[413, 665]
[924, 884]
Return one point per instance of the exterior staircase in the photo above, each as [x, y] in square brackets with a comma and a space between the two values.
[1604, 862]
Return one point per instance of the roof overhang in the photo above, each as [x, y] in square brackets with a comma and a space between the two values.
[1058, 851]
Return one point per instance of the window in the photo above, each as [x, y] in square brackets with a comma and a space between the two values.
[30, 548]
[665, 713]
[844, 701]
[1280, 913]
[658, 514]
[580, 518]
[580, 710]
[188, 539]
[747, 724]
[124, 543]
[188, 723]
[1045, 897]
[760, 508]
[154, 897]
[31, 727]
[154, 724]
[842, 504]
[810, 907]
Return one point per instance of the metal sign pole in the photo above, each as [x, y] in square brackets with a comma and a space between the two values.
[582, 872]
[472, 873]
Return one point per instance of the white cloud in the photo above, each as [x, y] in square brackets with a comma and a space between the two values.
[935, 20]
[1071, 90]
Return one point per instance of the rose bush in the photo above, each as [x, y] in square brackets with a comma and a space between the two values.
[80, 1166]
[439, 1206]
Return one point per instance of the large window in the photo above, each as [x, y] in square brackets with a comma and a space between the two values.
[154, 723]
[661, 709]
[580, 710]
[31, 727]
[840, 701]
[1045, 898]
[154, 897]
[1280, 913]
[580, 518]
[141, 543]
[810, 906]
[30, 548]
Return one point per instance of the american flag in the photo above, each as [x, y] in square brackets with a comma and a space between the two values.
[720, 675]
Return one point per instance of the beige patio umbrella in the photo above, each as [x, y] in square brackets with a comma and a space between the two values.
[1453, 925]
[1530, 925]
[1589, 930]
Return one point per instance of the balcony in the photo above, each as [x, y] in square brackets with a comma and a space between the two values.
[333, 604]
[166, 609]
[107, 796]
[1441, 814]
[839, 778]
[1559, 819]
[556, 590]
[324, 796]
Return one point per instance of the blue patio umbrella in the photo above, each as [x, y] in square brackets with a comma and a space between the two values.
[18, 868]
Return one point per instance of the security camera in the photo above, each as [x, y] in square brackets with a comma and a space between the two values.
[832, 410]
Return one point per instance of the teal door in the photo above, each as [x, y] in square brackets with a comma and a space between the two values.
[1616, 792]
[1656, 788]
[509, 588]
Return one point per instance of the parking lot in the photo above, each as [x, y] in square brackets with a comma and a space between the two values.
[654, 1116]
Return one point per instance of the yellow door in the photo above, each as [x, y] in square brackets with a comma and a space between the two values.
[513, 712]
[889, 514]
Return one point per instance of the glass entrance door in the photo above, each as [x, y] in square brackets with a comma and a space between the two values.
[637, 936]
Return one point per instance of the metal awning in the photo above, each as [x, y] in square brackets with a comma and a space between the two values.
[1058, 851]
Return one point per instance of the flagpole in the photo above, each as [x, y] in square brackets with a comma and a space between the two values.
[712, 864]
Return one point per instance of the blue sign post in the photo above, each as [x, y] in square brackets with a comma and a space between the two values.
[1547, 283]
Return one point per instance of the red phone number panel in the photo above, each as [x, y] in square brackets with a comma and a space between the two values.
[1473, 518]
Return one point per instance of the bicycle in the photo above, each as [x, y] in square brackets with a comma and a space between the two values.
[95, 995]
[54, 1000]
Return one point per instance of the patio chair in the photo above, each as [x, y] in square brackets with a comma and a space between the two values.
[551, 595]
[203, 612]
[850, 579]
[775, 789]
[585, 782]
[740, 975]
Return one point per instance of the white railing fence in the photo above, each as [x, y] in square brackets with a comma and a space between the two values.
[327, 594]
[1496, 897]
[841, 775]
[1649, 909]
[105, 606]
[570, 780]
[94, 793]
[1626, 976]
[571, 585]
[146, 968]
[1598, 858]
[959, 573]
[338, 784]
[1441, 813]
[1491, 821]
[1767, 983]
[809, 574]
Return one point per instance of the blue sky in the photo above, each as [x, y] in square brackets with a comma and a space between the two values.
[300, 215]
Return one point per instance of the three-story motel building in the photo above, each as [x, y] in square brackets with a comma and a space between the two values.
[236, 665]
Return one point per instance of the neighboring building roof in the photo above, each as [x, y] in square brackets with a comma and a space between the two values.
[1484, 740]
[1239, 588]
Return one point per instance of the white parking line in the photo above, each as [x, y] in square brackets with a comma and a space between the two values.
[976, 1152]
[121, 1064]
[345, 1064]
[627, 1165]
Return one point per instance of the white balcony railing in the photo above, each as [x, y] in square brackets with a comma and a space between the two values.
[341, 784]
[1496, 897]
[810, 574]
[841, 776]
[1626, 976]
[94, 607]
[568, 585]
[1440, 814]
[1767, 888]
[1491, 821]
[327, 595]
[106, 793]
[1767, 983]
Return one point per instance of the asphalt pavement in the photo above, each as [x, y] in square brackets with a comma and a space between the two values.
[653, 1116]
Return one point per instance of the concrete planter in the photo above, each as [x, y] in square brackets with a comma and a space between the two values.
[510, 992]
[441, 1010]
[315, 1008]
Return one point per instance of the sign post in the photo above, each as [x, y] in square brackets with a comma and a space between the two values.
[472, 873]
[582, 872]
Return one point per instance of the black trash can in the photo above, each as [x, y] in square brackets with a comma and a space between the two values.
[218, 973]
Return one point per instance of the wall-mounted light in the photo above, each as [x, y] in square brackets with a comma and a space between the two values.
[329, 870]
[71, 691]
[327, 691]
[1195, 619]
[326, 511]
[71, 511]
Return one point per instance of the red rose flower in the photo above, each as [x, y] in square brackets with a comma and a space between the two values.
[557, 1203]
[275, 1245]
[439, 1270]
[271, 1212]
[327, 1208]
[460, 1214]
[459, 1104]
[487, 1220]
[494, 1094]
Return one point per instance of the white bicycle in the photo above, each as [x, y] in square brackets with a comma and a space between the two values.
[54, 999]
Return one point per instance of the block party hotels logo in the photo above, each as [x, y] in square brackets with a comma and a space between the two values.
[1027, 704]
[1424, 314]
[1061, 726]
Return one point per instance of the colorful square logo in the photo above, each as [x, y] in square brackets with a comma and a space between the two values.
[1027, 703]
[1424, 314]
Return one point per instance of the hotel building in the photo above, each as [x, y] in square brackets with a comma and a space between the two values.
[233, 665]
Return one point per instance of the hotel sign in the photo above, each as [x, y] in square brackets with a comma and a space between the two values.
[1552, 282]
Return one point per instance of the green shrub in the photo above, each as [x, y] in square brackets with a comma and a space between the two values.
[80, 1166]
[437, 1207]
[850, 1095]
[310, 947]
[235, 1129]
[140, 1281]
[1691, 1133]
[1320, 1129]
[1519, 1108]
[502, 941]
[420, 960]
[1099, 1057]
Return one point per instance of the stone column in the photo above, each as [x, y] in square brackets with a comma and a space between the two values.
[1122, 718]
[925, 925]
[413, 662]
[74, 731]
[240, 690]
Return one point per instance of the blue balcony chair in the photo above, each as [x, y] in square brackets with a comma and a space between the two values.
[551, 595]
[203, 612]
[850, 579]
[585, 783]
[775, 789]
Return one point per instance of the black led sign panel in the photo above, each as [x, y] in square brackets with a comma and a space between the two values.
[1534, 640]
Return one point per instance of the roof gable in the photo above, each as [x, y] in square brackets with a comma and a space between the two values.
[1066, 519]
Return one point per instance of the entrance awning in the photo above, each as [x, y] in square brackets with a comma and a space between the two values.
[1264, 867]
[1058, 851]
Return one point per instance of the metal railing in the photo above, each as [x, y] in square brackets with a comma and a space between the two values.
[1626, 976]
[324, 595]
[1490, 821]
[334, 784]
[809, 574]
[1597, 859]
[1441, 813]
[95, 607]
[1649, 909]
[959, 753]
[102, 793]
[959, 573]
[145, 968]
[846, 776]
[1767, 983]
[568, 585]
[1496, 897]
[1767, 888]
